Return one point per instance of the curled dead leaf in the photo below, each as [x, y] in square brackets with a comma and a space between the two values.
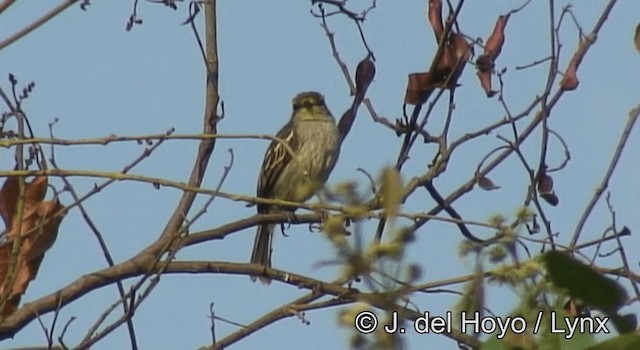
[35, 233]
[494, 44]
[551, 198]
[365, 72]
[435, 18]
[444, 74]
[545, 189]
[33, 193]
[451, 63]
[484, 64]
[446, 67]
[463, 51]
[545, 184]
[485, 82]
[570, 80]
[492, 49]
[417, 87]
[485, 183]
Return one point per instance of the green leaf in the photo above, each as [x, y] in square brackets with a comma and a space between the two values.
[623, 342]
[494, 344]
[544, 339]
[587, 284]
[584, 282]
[558, 340]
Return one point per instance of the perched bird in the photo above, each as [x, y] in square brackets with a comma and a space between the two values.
[296, 172]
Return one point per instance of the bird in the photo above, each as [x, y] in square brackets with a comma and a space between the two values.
[296, 164]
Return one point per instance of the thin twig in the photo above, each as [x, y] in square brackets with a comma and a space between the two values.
[37, 23]
[604, 183]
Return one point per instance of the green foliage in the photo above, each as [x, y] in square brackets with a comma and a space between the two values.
[623, 342]
[497, 220]
[550, 336]
[390, 191]
[378, 338]
[473, 295]
[357, 260]
[524, 215]
[379, 264]
[333, 226]
[585, 283]
[497, 254]
[541, 303]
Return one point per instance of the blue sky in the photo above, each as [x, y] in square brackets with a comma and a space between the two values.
[98, 80]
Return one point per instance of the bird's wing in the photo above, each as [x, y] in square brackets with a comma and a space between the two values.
[275, 160]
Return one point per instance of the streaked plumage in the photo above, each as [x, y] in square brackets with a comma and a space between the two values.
[312, 135]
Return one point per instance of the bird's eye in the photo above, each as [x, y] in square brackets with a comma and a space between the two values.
[308, 102]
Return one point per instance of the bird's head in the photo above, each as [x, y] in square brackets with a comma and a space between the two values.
[309, 106]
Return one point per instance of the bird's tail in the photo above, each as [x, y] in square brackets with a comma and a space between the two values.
[262, 250]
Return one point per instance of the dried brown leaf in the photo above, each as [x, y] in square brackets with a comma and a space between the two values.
[486, 62]
[570, 80]
[365, 72]
[417, 87]
[494, 44]
[545, 184]
[447, 65]
[34, 192]
[462, 53]
[485, 82]
[435, 18]
[545, 189]
[550, 198]
[37, 231]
